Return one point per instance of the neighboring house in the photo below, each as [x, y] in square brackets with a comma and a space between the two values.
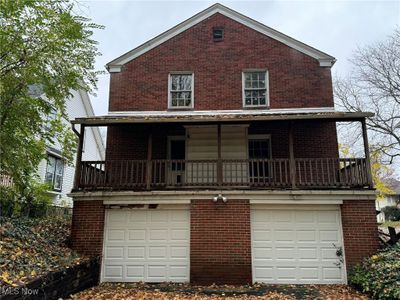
[54, 170]
[222, 162]
[392, 199]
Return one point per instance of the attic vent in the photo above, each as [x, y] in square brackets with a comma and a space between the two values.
[218, 34]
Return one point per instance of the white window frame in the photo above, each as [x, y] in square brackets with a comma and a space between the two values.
[266, 87]
[56, 158]
[169, 90]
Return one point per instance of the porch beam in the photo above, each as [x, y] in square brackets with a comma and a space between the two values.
[149, 156]
[219, 163]
[292, 163]
[78, 171]
[366, 151]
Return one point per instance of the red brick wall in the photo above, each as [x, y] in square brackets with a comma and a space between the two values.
[87, 227]
[295, 79]
[360, 230]
[220, 243]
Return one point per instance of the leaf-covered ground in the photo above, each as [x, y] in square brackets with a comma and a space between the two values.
[31, 247]
[130, 291]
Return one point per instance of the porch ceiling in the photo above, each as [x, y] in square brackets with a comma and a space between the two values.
[220, 116]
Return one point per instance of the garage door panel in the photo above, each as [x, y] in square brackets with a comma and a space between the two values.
[329, 236]
[180, 234]
[286, 273]
[331, 273]
[328, 217]
[115, 235]
[135, 272]
[137, 235]
[307, 253]
[262, 235]
[288, 235]
[178, 272]
[179, 252]
[114, 252]
[136, 252]
[285, 253]
[153, 246]
[117, 218]
[158, 216]
[309, 273]
[137, 216]
[157, 252]
[297, 251]
[304, 217]
[282, 217]
[113, 271]
[306, 235]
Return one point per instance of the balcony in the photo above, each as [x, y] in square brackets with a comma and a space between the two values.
[299, 173]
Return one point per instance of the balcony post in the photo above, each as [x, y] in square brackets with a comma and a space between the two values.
[148, 164]
[366, 152]
[292, 163]
[219, 164]
[78, 165]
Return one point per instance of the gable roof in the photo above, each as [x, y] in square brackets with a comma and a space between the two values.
[325, 60]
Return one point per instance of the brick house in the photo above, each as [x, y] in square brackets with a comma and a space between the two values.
[222, 162]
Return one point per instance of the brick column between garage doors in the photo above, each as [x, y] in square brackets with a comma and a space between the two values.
[360, 230]
[87, 227]
[220, 242]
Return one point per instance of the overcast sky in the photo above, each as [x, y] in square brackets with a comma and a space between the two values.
[335, 27]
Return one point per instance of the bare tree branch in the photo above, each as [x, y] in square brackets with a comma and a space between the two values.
[374, 85]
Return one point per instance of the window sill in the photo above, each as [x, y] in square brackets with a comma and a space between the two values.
[256, 107]
[55, 192]
[180, 109]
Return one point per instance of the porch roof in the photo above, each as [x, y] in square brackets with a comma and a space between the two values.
[219, 116]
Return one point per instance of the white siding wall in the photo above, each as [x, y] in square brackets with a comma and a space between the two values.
[201, 143]
[92, 150]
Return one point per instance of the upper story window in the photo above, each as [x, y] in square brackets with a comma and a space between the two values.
[54, 172]
[180, 90]
[255, 88]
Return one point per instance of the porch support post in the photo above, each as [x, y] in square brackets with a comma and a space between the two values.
[292, 163]
[148, 165]
[366, 151]
[78, 170]
[219, 164]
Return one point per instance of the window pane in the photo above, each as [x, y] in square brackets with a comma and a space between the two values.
[255, 88]
[181, 82]
[59, 167]
[50, 168]
[58, 182]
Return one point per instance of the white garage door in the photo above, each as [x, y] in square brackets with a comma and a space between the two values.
[150, 245]
[292, 245]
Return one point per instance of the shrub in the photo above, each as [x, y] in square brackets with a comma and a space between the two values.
[392, 213]
[31, 201]
[379, 275]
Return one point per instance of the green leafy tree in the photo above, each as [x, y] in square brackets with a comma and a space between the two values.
[46, 51]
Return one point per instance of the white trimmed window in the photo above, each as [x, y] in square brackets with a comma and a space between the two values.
[54, 172]
[180, 90]
[255, 88]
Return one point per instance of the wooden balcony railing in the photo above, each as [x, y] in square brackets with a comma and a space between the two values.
[249, 173]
